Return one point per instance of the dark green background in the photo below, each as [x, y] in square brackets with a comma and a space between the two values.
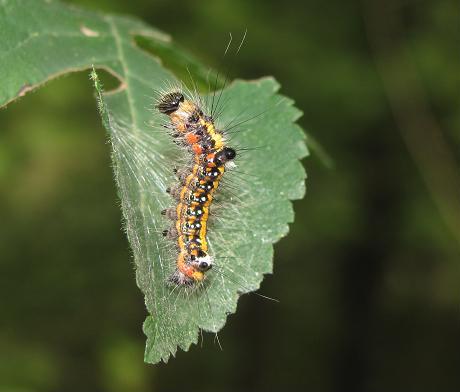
[369, 275]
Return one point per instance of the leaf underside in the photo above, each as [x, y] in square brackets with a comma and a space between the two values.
[44, 39]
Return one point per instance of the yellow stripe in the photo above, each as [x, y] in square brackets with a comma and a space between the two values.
[181, 207]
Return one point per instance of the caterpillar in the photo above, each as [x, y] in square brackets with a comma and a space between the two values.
[198, 183]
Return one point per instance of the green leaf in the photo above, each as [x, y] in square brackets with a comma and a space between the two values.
[43, 39]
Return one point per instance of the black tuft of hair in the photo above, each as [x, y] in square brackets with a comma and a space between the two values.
[225, 155]
[170, 102]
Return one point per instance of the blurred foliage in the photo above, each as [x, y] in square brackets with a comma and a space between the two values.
[368, 277]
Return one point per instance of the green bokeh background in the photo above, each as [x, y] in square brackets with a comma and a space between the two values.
[369, 277]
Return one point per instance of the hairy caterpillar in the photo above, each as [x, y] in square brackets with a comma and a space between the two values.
[198, 183]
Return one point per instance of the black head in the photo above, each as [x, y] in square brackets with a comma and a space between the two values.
[170, 102]
[225, 155]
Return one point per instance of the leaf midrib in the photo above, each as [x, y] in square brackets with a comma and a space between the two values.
[134, 120]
